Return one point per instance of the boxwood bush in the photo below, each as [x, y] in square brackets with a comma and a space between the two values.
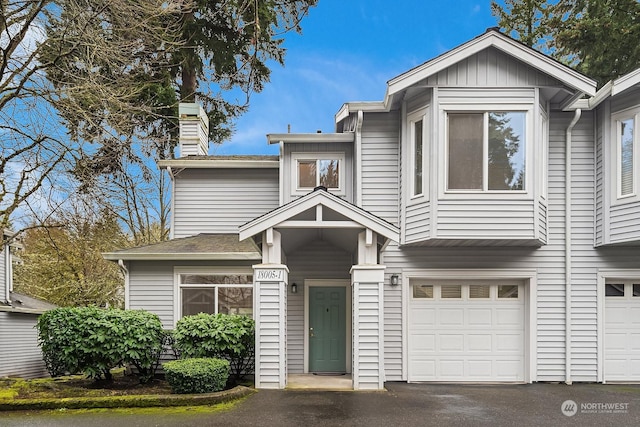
[93, 341]
[198, 375]
[229, 337]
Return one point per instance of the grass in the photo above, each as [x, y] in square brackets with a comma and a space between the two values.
[78, 386]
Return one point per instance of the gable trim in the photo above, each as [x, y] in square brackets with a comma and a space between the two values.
[493, 38]
[283, 214]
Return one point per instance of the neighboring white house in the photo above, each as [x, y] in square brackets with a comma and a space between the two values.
[479, 223]
[20, 355]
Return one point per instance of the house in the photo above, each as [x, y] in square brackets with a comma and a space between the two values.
[480, 223]
[20, 355]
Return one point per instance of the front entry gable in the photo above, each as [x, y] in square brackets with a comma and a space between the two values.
[309, 212]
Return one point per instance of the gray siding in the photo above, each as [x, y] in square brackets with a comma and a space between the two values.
[625, 223]
[270, 342]
[316, 260]
[491, 67]
[417, 225]
[151, 285]
[220, 200]
[368, 305]
[600, 175]
[380, 165]
[20, 355]
[547, 260]
[624, 101]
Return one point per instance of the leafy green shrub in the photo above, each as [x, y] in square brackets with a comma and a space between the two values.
[229, 337]
[93, 341]
[200, 375]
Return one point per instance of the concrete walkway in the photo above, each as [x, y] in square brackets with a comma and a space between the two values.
[401, 405]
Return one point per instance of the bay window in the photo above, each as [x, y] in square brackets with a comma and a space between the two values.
[418, 140]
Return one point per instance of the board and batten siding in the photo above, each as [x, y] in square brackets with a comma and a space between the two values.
[491, 67]
[20, 355]
[548, 260]
[380, 165]
[220, 200]
[289, 190]
[315, 260]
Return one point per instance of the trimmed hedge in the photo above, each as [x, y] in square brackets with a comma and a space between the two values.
[200, 375]
[223, 336]
[93, 341]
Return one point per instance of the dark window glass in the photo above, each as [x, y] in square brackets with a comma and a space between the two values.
[198, 300]
[614, 290]
[465, 151]
[417, 172]
[636, 290]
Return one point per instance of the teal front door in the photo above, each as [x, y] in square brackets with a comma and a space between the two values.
[327, 329]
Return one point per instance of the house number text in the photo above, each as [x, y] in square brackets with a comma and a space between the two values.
[275, 275]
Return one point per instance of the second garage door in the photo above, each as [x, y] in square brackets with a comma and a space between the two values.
[466, 331]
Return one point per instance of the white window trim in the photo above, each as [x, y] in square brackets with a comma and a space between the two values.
[177, 287]
[616, 119]
[604, 276]
[298, 156]
[543, 155]
[412, 118]
[530, 278]
[527, 193]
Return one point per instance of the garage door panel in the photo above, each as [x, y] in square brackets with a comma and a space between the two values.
[509, 317]
[622, 335]
[509, 342]
[477, 343]
[450, 317]
[451, 342]
[477, 339]
[480, 316]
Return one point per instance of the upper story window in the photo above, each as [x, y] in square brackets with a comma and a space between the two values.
[626, 136]
[417, 138]
[486, 151]
[314, 169]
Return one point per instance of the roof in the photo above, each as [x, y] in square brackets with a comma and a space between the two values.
[223, 162]
[275, 138]
[21, 303]
[612, 88]
[582, 84]
[319, 196]
[200, 247]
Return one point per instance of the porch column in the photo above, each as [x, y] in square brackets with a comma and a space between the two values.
[367, 279]
[270, 313]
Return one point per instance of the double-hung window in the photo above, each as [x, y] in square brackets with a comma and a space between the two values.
[486, 151]
[213, 292]
[626, 137]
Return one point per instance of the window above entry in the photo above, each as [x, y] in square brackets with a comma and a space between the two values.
[486, 151]
[310, 170]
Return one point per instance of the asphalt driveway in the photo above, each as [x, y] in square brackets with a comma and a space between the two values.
[401, 405]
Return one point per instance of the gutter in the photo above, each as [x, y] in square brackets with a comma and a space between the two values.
[125, 270]
[567, 245]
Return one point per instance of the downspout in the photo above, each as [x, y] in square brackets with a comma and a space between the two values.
[567, 246]
[173, 201]
[125, 270]
[359, 158]
[7, 272]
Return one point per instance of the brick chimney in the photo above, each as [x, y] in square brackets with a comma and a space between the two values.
[194, 130]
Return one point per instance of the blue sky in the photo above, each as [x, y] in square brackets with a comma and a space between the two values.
[347, 51]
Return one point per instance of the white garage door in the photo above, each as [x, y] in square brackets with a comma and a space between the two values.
[622, 331]
[471, 331]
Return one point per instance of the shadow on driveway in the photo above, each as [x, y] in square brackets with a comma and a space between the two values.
[401, 405]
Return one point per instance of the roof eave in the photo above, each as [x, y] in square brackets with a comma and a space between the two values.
[204, 256]
[218, 164]
[276, 138]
